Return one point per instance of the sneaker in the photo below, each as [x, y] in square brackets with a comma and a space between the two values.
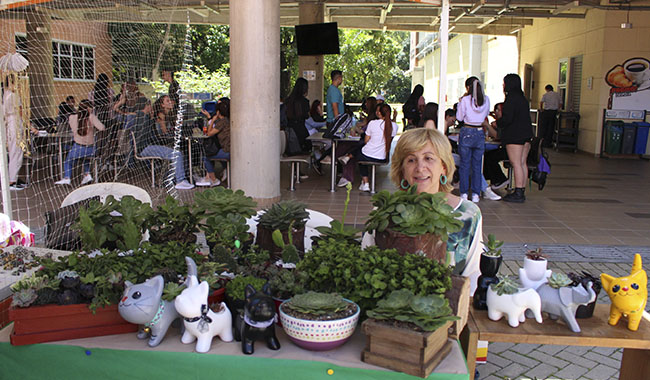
[184, 185]
[500, 185]
[344, 159]
[342, 182]
[491, 195]
[16, 187]
[475, 198]
[364, 187]
[224, 175]
[463, 197]
[204, 182]
[327, 160]
[304, 176]
[64, 181]
[87, 179]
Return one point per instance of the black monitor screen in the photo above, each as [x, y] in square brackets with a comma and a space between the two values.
[317, 39]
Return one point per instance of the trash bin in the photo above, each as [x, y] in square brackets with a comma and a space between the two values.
[642, 130]
[613, 138]
[629, 134]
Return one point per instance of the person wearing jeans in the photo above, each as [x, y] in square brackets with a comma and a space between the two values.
[218, 127]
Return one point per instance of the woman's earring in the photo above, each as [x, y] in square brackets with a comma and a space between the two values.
[404, 184]
[443, 179]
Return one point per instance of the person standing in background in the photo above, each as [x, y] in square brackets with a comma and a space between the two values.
[13, 122]
[550, 104]
[335, 105]
[168, 76]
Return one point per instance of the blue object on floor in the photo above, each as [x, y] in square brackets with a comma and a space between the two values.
[642, 130]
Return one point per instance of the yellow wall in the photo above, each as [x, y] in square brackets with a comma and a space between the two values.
[602, 44]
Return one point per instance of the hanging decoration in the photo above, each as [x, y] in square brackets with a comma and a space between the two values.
[13, 68]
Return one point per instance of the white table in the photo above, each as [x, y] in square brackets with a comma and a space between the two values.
[319, 137]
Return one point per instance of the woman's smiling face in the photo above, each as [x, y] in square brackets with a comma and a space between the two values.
[424, 168]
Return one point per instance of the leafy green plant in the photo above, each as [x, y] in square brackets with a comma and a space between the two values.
[226, 230]
[209, 271]
[171, 291]
[315, 303]
[559, 280]
[367, 275]
[492, 247]
[337, 229]
[413, 214]
[219, 201]
[173, 221]
[24, 298]
[506, 285]
[428, 312]
[283, 214]
[235, 287]
[284, 282]
[536, 254]
[289, 251]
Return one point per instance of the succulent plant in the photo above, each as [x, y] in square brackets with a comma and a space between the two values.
[36, 283]
[317, 303]
[492, 247]
[236, 287]
[281, 215]
[427, 312]
[46, 296]
[506, 285]
[171, 291]
[558, 280]
[585, 278]
[173, 221]
[413, 214]
[337, 229]
[220, 202]
[536, 254]
[67, 274]
[285, 283]
[68, 297]
[289, 251]
[24, 298]
[226, 230]
[87, 290]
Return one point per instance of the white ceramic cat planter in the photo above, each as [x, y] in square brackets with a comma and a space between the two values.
[201, 323]
[534, 273]
[513, 306]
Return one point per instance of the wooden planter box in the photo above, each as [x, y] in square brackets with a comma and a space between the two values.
[404, 350]
[459, 300]
[50, 323]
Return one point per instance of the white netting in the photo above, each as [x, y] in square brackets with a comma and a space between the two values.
[84, 50]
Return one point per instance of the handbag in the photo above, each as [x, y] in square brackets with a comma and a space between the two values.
[211, 146]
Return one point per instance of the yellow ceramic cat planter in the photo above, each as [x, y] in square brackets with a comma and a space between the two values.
[629, 295]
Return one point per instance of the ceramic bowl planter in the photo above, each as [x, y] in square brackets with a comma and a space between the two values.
[316, 335]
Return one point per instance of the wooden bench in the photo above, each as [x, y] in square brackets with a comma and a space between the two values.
[373, 165]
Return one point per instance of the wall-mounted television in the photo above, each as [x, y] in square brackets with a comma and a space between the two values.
[317, 39]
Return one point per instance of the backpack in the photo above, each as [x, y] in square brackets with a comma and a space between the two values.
[339, 128]
[538, 158]
[293, 143]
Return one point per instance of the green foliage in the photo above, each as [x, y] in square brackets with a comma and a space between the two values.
[219, 201]
[254, 256]
[173, 221]
[506, 285]
[24, 298]
[559, 280]
[413, 214]
[367, 275]
[337, 230]
[35, 283]
[236, 287]
[285, 283]
[197, 79]
[224, 231]
[428, 312]
[289, 251]
[283, 214]
[171, 291]
[210, 46]
[492, 247]
[209, 272]
[315, 303]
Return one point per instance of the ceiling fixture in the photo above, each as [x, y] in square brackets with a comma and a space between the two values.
[627, 24]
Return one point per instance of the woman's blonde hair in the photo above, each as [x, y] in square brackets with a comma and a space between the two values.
[415, 139]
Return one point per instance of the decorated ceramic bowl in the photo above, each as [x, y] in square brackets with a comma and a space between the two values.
[319, 335]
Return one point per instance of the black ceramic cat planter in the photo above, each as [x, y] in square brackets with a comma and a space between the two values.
[489, 266]
[257, 320]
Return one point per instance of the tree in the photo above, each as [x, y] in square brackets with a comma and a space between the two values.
[210, 45]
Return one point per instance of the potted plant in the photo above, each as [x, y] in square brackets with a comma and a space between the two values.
[319, 321]
[286, 216]
[337, 230]
[489, 264]
[173, 221]
[219, 201]
[586, 311]
[534, 272]
[236, 291]
[560, 300]
[412, 222]
[418, 325]
[504, 298]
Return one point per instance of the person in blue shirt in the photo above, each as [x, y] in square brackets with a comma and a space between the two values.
[335, 105]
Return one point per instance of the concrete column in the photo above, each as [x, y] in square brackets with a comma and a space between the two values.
[312, 13]
[255, 107]
[41, 76]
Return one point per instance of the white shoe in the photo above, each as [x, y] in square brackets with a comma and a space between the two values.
[475, 198]
[344, 159]
[327, 160]
[224, 175]
[364, 187]
[207, 182]
[304, 176]
[501, 185]
[463, 197]
[342, 182]
[491, 195]
[15, 187]
[184, 185]
[64, 181]
[87, 179]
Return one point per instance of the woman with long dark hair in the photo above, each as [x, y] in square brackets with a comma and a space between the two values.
[516, 132]
[430, 116]
[411, 109]
[473, 108]
[162, 114]
[83, 126]
[297, 108]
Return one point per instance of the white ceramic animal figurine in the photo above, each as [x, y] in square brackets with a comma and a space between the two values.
[514, 306]
[201, 323]
[533, 283]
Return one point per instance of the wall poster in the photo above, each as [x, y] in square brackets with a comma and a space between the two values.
[630, 85]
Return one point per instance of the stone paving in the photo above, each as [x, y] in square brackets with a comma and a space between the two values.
[534, 361]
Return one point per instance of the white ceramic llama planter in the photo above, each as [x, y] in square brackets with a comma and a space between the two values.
[514, 306]
[534, 273]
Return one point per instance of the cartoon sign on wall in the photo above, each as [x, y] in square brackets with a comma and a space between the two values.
[630, 84]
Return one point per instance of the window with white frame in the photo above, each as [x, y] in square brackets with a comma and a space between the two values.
[69, 60]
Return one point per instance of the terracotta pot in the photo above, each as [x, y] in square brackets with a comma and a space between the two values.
[428, 245]
[217, 296]
[265, 241]
[50, 323]
[278, 302]
[535, 269]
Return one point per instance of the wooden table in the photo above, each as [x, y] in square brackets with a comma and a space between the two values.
[635, 364]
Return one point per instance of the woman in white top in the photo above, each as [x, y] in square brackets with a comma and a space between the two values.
[14, 126]
[83, 126]
[379, 135]
[473, 108]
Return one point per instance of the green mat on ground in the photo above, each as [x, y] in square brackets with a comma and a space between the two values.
[49, 361]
